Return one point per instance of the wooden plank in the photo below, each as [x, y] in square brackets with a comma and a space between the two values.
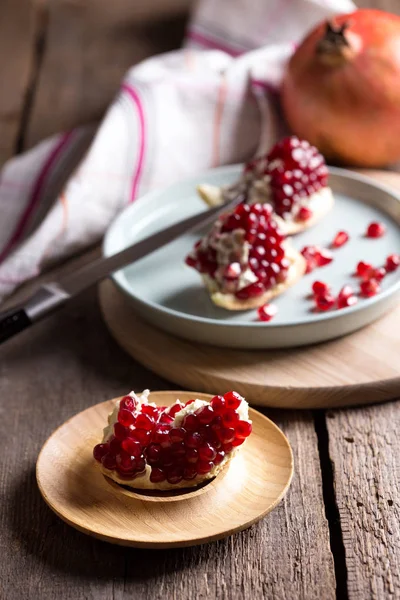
[63, 365]
[90, 44]
[364, 446]
[20, 29]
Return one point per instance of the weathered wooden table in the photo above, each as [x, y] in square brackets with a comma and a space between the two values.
[337, 532]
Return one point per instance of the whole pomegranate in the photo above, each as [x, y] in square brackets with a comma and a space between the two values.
[341, 89]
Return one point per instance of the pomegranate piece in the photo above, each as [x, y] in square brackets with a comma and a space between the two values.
[296, 170]
[267, 312]
[245, 241]
[375, 230]
[392, 262]
[320, 288]
[341, 238]
[345, 292]
[363, 268]
[325, 302]
[174, 450]
[369, 288]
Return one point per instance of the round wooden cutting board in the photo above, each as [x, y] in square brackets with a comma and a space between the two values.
[357, 369]
[360, 368]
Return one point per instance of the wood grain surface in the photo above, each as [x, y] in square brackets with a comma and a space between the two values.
[68, 363]
[364, 446]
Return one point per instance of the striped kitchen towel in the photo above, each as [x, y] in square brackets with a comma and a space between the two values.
[214, 102]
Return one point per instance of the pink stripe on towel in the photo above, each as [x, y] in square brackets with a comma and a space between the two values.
[142, 143]
[36, 193]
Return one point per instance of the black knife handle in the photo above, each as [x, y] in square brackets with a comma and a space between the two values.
[12, 322]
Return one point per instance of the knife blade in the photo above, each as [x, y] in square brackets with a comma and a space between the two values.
[53, 295]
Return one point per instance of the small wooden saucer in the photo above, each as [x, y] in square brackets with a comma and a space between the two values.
[73, 487]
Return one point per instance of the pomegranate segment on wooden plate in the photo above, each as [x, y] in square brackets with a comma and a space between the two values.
[245, 259]
[292, 178]
[146, 446]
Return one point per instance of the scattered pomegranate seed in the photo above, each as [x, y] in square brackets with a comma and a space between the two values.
[341, 238]
[267, 312]
[363, 268]
[345, 292]
[325, 302]
[304, 214]
[323, 257]
[320, 288]
[349, 301]
[369, 288]
[375, 230]
[392, 262]
[378, 273]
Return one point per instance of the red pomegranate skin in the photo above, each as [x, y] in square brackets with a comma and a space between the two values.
[348, 105]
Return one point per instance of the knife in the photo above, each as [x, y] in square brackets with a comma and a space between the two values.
[51, 296]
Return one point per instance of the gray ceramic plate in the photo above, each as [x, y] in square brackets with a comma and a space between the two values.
[170, 295]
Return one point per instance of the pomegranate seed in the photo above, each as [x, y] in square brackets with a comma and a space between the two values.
[325, 302]
[174, 475]
[190, 422]
[243, 429]
[165, 419]
[177, 407]
[205, 415]
[341, 238]
[157, 475]
[345, 292]
[204, 466]
[140, 465]
[323, 257]
[126, 418]
[375, 230]
[153, 453]
[227, 447]
[132, 447]
[363, 268]
[218, 404]
[192, 455]
[108, 461]
[347, 301]
[177, 434]
[320, 288]
[232, 400]
[193, 439]
[219, 457]
[267, 312]
[152, 411]
[189, 473]
[99, 451]
[226, 434]
[128, 402]
[144, 422]
[232, 271]
[369, 288]
[141, 435]
[178, 449]
[377, 274]
[207, 452]
[230, 417]
[120, 431]
[304, 214]
[392, 262]
[191, 261]
[189, 402]
[115, 446]
[251, 291]
[237, 442]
